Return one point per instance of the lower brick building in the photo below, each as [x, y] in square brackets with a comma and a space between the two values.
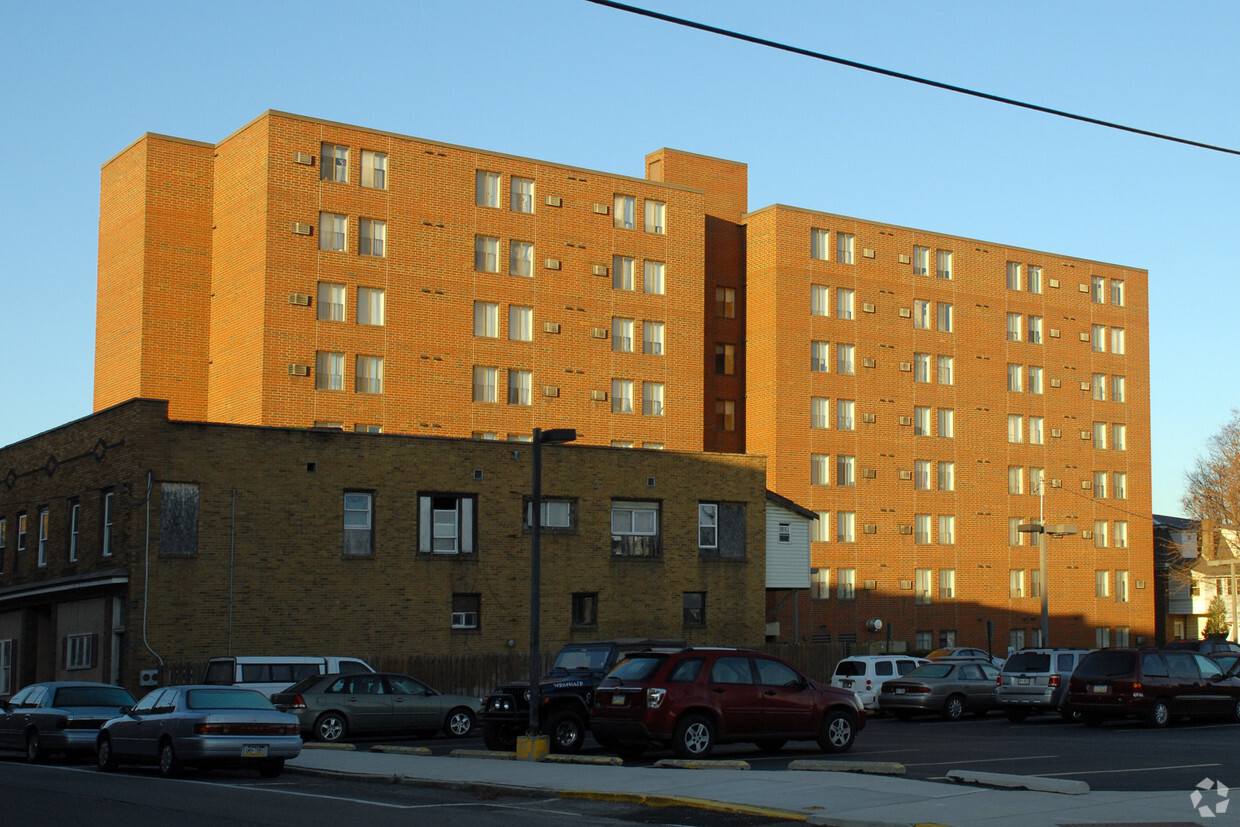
[128, 541]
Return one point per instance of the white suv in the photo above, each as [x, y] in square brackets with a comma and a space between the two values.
[865, 674]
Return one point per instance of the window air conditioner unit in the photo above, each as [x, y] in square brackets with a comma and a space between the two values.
[553, 264]
[869, 362]
[551, 327]
[869, 585]
[554, 201]
[298, 370]
[906, 584]
[869, 473]
[1084, 337]
[1084, 288]
[299, 298]
[304, 158]
[906, 475]
[906, 529]
[302, 229]
[550, 390]
[1054, 283]
[600, 269]
[868, 418]
[1084, 386]
[866, 252]
[602, 209]
[906, 420]
[598, 396]
[1087, 534]
[1087, 484]
[599, 332]
[1055, 432]
[905, 313]
[905, 258]
[869, 528]
[906, 366]
[464, 620]
[1055, 383]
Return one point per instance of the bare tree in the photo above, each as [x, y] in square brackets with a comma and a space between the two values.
[1213, 484]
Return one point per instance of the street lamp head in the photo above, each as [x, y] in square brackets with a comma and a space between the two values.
[557, 435]
[1063, 530]
[1032, 528]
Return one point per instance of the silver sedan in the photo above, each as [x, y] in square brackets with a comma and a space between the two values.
[947, 688]
[61, 716]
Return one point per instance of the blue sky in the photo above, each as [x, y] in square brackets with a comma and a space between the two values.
[576, 83]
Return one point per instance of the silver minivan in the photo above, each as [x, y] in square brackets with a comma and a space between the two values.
[271, 674]
[1036, 680]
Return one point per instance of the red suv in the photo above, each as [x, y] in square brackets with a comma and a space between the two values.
[696, 698]
[1157, 685]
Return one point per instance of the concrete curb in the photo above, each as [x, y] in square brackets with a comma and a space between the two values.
[682, 764]
[550, 758]
[392, 749]
[595, 760]
[682, 801]
[483, 753]
[321, 745]
[1018, 782]
[867, 767]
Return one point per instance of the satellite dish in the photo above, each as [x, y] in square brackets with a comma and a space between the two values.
[874, 624]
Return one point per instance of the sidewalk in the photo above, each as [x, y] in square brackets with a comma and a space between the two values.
[830, 798]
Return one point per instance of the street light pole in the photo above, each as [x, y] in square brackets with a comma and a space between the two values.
[1042, 530]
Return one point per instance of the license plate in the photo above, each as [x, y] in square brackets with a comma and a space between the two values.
[1022, 681]
[617, 700]
[254, 751]
[847, 684]
[1099, 688]
[899, 690]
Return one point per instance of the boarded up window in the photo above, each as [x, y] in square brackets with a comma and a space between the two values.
[178, 519]
[731, 539]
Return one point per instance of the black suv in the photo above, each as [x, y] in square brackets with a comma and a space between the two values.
[566, 694]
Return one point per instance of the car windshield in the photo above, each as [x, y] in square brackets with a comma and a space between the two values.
[850, 667]
[1028, 662]
[932, 670]
[226, 699]
[1106, 665]
[303, 684]
[581, 657]
[637, 668]
[92, 696]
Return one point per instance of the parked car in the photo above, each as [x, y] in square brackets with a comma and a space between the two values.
[330, 707]
[203, 726]
[865, 674]
[1228, 661]
[62, 716]
[948, 688]
[270, 674]
[1209, 646]
[965, 653]
[1036, 680]
[1155, 685]
[695, 698]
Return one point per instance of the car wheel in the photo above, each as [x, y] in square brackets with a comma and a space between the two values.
[271, 768]
[1016, 715]
[567, 731]
[771, 744]
[499, 737]
[953, 710]
[34, 748]
[169, 765]
[331, 727]
[695, 737]
[105, 759]
[1160, 714]
[838, 731]
[460, 722]
[1071, 715]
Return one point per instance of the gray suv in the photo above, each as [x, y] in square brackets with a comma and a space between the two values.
[1036, 680]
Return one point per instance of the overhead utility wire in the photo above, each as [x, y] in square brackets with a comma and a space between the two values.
[680, 21]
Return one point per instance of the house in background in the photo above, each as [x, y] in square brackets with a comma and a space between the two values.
[1193, 564]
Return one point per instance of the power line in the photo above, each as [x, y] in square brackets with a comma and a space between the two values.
[680, 21]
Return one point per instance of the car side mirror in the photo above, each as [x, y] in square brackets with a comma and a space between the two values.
[125, 710]
[4, 705]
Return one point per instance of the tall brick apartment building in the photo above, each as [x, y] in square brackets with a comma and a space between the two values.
[925, 394]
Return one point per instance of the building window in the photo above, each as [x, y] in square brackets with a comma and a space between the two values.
[1117, 340]
[820, 584]
[520, 387]
[585, 609]
[1035, 583]
[819, 244]
[1100, 485]
[844, 359]
[1100, 534]
[819, 298]
[520, 323]
[333, 232]
[844, 414]
[944, 261]
[446, 523]
[1015, 535]
[522, 195]
[1100, 435]
[1102, 637]
[921, 367]
[329, 371]
[622, 396]
[921, 314]
[371, 307]
[486, 189]
[486, 319]
[652, 399]
[335, 163]
[947, 476]
[635, 529]
[45, 523]
[371, 237]
[1102, 583]
[1013, 276]
[694, 608]
[178, 519]
[520, 259]
[1014, 327]
[557, 515]
[845, 527]
[621, 273]
[921, 421]
[708, 525]
[921, 535]
[946, 366]
[1098, 338]
[921, 261]
[1016, 583]
[1099, 387]
[820, 532]
[725, 359]
[1098, 290]
[1117, 292]
[6, 667]
[4, 529]
[466, 610]
[1119, 437]
[845, 471]
[1035, 330]
[923, 641]
[1121, 636]
[1121, 586]
[1036, 477]
[921, 586]
[1121, 485]
[1016, 479]
[486, 254]
[818, 469]
[844, 248]
[485, 384]
[622, 335]
[945, 317]
[921, 474]
[374, 169]
[1121, 534]
[1117, 389]
[725, 415]
[109, 517]
[656, 217]
[1036, 436]
[947, 423]
[1016, 428]
[80, 651]
[358, 523]
[844, 303]
[1014, 375]
[331, 302]
[75, 529]
[947, 535]
[1035, 279]
[846, 584]
[652, 338]
[653, 273]
[725, 302]
[1035, 379]
[818, 356]
[625, 216]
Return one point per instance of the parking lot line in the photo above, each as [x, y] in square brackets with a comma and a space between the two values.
[981, 760]
[1130, 769]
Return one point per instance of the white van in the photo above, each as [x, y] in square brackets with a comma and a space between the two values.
[866, 674]
[270, 675]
